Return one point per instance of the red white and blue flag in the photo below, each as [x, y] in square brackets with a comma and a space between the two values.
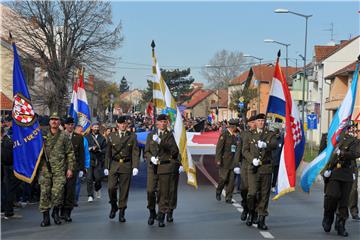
[79, 108]
[281, 103]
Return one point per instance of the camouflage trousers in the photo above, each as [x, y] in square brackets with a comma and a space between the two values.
[51, 189]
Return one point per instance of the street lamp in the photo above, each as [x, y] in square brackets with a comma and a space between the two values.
[257, 58]
[280, 10]
[286, 47]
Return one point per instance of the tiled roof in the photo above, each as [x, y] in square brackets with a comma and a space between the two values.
[263, 72]
[344, 71]
[323, 52]
[223, 98]
[6, 103]
[197, 98]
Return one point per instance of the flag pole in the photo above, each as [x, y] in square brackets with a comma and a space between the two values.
[154, 72]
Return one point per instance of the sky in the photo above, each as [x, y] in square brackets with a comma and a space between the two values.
[188, 34]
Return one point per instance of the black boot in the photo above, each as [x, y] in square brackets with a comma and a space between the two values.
[327, 222]
[67, 215]
[244, 215]
[46, 219]
[261, 223]
[62, 213]
[250, 219]
[218, 196]
[55, 216]
[341, 229]
[169, 216]
[256, 218]
[113, 211]
[161, 219]
[336, 225]
[122, 215]
[152, 216]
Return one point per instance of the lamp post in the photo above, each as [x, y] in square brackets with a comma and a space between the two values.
[111, 107]
[280, 10]
[258, 87]
[286, 51]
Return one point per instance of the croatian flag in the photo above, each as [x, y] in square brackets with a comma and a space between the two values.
[280, 103]
[338, 124]
[79, 108]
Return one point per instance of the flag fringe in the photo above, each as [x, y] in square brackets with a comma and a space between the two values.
[283, 192]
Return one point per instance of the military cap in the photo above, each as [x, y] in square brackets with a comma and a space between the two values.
[54, 115]
[260, 116]
[234, 122]
[121, 119]
[252, 118]
[162, 117]
[69, 120]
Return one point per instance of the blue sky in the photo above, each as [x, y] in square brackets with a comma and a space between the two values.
[187, 34]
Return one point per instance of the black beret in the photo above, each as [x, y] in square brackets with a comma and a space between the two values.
[43, 120]
[162, 117]
[234, 122]
[252, 118]
[69, 120]
[121, 119]
[260, 116]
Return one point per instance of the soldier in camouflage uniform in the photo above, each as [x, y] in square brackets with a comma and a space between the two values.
[56, 165]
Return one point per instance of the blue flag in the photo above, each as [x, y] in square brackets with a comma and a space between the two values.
[27, 138]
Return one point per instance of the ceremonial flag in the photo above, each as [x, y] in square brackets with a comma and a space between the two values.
[165, 103]
[338, 124]
[79, 108]
[281, 104]
[27, 137]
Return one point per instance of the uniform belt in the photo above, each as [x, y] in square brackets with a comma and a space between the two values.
[124, 160]
[164, 162]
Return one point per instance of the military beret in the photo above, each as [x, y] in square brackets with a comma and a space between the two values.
[252, 118]
[234, 122]
[260, 116]
[54, 115]
[162, 117]
[121, 119]
[69, 120]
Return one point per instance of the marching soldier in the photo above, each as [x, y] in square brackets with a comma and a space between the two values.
[340, 176]
[57, 165]
[257, 147]
[122, 158]
[244, 185]
[225, 159]
[77, 141]
[353, 201]
[162, 154]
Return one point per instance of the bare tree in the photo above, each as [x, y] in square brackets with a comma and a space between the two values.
[223, 67]
[63, 35]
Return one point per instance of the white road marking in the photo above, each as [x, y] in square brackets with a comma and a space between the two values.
[235, 204]
[267, 235]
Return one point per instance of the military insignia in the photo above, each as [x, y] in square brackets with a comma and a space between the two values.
[23, 112]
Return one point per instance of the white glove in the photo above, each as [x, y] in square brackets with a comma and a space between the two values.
[327, 173]
[261, 144]
[81, 174]
[338, 152]
[237, 170]
[106, 172]
[256, 162]
[354, 176]
[156, 138]
[135, 171]
[181, 169]
[154, 160]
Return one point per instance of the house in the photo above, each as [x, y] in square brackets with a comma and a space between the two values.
[257, 77]
[220, 107]
[200, 103]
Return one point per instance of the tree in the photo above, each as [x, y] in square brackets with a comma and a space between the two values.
[124, 86]
[247, 94]
[107, 89]
[63, 35]
[223, 67]
[178, 81]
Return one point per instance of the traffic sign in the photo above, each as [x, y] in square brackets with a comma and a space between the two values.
[312, 121]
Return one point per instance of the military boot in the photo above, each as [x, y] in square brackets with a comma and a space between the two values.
[261, 223]
[244, 215]
[341, 229]
[161, 219]
[218, 196]
[250, 219]
[169, 216]
[256, 218]
[113, 211]
[46, 219]
[67, 215]
[122, 215]
[327, 221]
[152, 216]
[55, 216]
[336, 225]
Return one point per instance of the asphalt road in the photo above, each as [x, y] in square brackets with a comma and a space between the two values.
[198, 216]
